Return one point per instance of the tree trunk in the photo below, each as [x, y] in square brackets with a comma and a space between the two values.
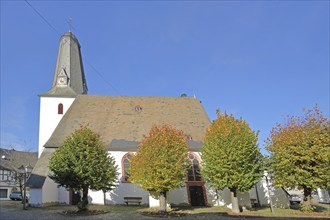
[82, 205]
[162, 201]
[234, 201]
[104, 198]
[307, 205]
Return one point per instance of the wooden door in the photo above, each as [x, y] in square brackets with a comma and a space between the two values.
[196, 196]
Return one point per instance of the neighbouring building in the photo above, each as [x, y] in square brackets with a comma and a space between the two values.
[11, 160]
[122, 121]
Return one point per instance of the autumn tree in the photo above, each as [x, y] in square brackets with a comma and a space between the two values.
[300, 153]
[231, 156]
[83, 163]
[160, 164]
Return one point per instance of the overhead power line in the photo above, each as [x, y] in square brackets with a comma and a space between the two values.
[43, 18]
[100, 75]
[58, 33]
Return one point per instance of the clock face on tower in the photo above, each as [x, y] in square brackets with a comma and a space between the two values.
[62, 78]
[61, 81]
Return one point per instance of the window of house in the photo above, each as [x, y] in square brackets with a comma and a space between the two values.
[194, 172]
[6, 175]
[125, 163]
[60, 109]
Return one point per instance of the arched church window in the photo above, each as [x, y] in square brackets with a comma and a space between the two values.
[125, 163]
[194, 171]
[60, 109]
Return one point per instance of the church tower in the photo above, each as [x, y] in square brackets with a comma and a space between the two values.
[69, 81]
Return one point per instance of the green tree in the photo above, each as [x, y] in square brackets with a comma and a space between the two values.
[300, 153]
[231, 156]
[160, 164]
[83, 163]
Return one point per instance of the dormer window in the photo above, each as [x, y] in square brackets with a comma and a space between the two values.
[138, 108]
[60, 109]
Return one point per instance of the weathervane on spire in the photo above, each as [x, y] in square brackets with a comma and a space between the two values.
[69, 21]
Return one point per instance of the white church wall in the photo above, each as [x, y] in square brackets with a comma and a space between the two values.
[154, 199]
[178, 196]
[218, 197]
[49, 117]
[63, 195]
[270, 192]
[244, 200]
[35, 197]
[223, 198]
[323, 195]
[118, 156]
[263, 194]
[122, 190]
[49, 192]
[95, 197]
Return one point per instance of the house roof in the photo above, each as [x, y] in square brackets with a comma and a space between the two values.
[12, 159]
[128, 119]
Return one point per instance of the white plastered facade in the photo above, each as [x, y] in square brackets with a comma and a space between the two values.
[49, 117]
[49, 194]
[180, 196]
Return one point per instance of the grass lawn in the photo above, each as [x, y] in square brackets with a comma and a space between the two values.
[115, 209]
[323, 211]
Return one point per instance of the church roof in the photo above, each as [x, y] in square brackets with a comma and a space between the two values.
[41, 170]
[60, 92]
[69, 65]
[123, 121]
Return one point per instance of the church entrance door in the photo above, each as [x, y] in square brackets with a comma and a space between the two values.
[196, 196]
[75, 198]
[195, 183]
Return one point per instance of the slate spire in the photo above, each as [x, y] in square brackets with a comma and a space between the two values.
[69, 77]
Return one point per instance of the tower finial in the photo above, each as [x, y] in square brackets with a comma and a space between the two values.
[69, 21]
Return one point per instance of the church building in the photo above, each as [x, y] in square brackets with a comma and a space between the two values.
[121, 122]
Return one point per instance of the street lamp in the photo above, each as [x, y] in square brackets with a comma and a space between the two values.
[25, 171]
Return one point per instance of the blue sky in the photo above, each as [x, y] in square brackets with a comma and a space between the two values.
[260, 60]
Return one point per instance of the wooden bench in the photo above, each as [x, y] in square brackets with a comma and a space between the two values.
[137, 200]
